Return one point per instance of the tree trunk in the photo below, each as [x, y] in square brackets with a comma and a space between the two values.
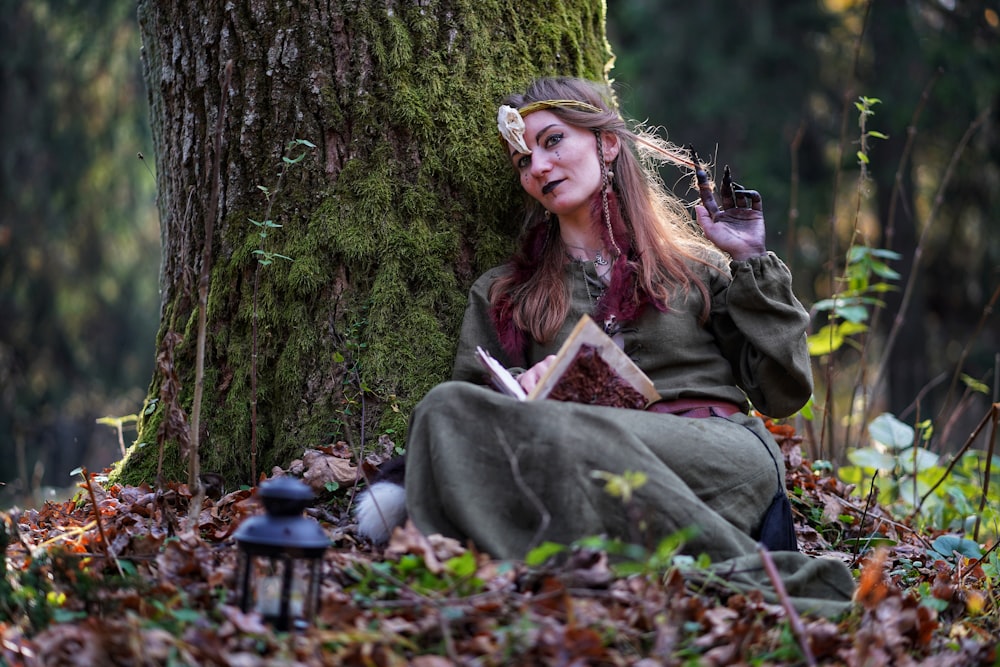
[403, 201]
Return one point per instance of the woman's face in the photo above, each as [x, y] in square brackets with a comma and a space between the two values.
[562, 172]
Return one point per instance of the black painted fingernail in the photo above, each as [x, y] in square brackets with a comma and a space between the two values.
[699, 171]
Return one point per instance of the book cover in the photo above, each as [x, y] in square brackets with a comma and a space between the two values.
[589, 368]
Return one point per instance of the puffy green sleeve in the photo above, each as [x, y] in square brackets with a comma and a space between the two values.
[761, 329]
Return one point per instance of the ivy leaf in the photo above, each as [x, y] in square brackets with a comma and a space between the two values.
[945, 545]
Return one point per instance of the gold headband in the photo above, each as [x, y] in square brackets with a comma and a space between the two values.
[510, 121]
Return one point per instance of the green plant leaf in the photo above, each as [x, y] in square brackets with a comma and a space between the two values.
[857, 253]
[882, 269]
[542, 553]
[853, 314]
[831, 337]
[945, 545]
[885, 253]
[872, 459]
[974, 384]
[826, 340]
[851, 474]
[870, 542]
[461, 566]
[925, 460]
[890, 432]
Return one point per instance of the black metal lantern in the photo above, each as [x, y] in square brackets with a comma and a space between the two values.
[280, 556]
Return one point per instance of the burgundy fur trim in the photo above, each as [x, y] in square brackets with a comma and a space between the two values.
[624, 299]
[512, 339]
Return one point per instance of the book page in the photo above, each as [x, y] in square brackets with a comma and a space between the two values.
[587, 333]
[500, 377]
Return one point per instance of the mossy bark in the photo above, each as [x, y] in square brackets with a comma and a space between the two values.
[404, 200]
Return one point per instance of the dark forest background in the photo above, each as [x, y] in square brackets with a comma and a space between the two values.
[766, 86]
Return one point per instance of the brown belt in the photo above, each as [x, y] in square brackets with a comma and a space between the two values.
[696, 407]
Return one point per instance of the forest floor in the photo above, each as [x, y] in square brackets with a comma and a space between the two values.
[122, 576]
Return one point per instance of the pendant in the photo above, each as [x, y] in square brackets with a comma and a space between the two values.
[599, 259]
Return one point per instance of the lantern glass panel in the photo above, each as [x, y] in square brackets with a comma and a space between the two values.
[283, 590]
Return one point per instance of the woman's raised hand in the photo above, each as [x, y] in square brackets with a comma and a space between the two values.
[738, 226]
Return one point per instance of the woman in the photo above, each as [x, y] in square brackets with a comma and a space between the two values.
[710, 318]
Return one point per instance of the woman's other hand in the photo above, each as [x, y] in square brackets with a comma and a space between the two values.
[738, 226]
[529, 378]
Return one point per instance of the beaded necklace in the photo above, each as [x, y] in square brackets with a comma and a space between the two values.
[598, 282]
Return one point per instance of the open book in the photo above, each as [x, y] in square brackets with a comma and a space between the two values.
[589, 368]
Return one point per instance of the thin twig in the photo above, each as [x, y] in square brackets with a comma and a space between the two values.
[884, 520]
[211, 212]
[793, 196]
[864, 515]
[100, 524]
[985, 555]
[449, 639]
[958, 456]
[911, 133]
[987, 312]
[793, 618]
[986, 474]
[915, 404]
[943, 434]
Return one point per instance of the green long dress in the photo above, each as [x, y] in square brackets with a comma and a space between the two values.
[508, 475]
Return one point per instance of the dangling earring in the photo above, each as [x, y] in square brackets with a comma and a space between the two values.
[606, 177]
[548, 215]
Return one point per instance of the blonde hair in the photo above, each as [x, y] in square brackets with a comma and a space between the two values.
[664, 242]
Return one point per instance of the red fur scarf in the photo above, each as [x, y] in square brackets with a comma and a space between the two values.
[623, 301]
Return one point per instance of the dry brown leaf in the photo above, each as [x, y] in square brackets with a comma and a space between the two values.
[321, 469]
[873, 586]
[406, 539]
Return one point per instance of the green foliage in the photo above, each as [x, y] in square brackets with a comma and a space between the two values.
[621, 486]
[946, 547]
[911, 480]
[865, 107]
[387, 580]
[866, 277]
[264, 257]
[24, 594]
[627, 558]
[866, 273]
[348, 419]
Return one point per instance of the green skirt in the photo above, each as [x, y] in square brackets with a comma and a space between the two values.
[508, 475]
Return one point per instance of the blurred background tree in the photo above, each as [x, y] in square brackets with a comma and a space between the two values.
[766, 86]
[79, 243]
